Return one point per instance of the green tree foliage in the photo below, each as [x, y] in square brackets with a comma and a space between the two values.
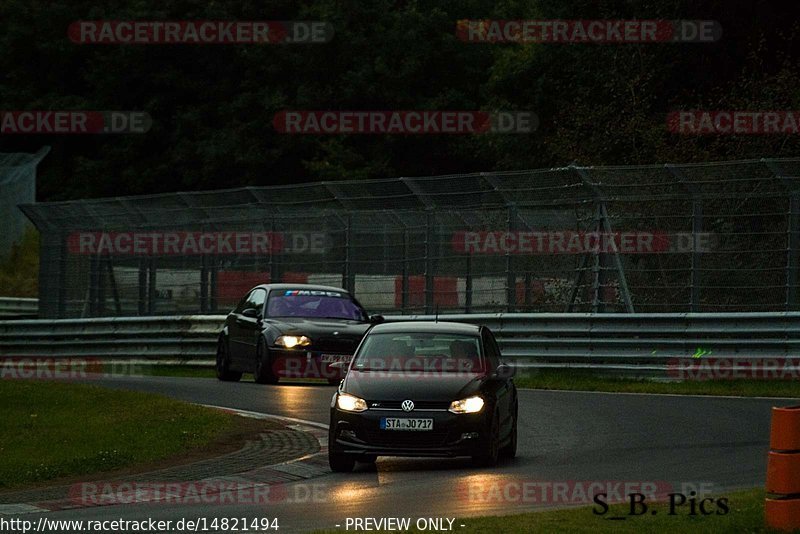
[19, 272]
[212, 105]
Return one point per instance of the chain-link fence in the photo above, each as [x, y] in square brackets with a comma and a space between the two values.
[658, 238]
[17, 186]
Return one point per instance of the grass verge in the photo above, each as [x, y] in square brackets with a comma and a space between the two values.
[588, 381]
[191, 371]
[746, 514]
[52, 431]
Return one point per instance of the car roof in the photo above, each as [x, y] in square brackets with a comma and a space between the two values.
[426, 327]
[312, 287]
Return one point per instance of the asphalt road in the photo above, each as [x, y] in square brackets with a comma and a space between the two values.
[568, 440]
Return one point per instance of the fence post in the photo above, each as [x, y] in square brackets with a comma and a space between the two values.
[404, 280]
[429, 237]
[577, 283]
[100, 263]
[204, 283]
[142, 287]
[213, 290]
[511, 277]
[348, 278]
[468, 286]
[528, 290]
[697, 228]
[273, 263]
[151, 287]
[51, 270]
[94, 274]
[604, 228]
[598, 280]
[62, 277]
[792, 253]
[793, 233]
[623, 281]
[112, 281]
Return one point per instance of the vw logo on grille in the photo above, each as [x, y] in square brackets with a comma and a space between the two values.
[407, 405]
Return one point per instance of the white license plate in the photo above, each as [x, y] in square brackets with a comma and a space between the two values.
[397, 423]
[332, 358]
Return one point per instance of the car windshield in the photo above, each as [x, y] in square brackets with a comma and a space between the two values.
[420, 352]
[313, 304]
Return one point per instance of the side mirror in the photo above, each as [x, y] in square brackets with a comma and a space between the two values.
[376, 319]
[339, 365]
[252, 313]
[505, 371]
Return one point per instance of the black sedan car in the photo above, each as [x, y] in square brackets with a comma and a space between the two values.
[424, 389]
[292, 331]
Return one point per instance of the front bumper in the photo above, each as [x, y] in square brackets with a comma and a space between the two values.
[452, 434]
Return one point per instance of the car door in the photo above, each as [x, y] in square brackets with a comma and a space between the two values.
[501, 385]
[244, 331]
[235, 331]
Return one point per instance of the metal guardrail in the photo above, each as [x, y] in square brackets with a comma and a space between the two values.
[628, 343]
[583, 337]
[182, 337]
[639, 345]
[18, 308]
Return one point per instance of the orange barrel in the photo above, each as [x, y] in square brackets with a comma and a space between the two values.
[782, 507]
[785, 432]
[783, 514]
[783, 473]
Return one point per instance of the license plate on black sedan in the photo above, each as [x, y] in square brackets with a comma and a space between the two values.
[333, 358]
[402, 423]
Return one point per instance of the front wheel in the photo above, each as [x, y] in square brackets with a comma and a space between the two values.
[510, 450]
[263, 373]
[490, 454]
[223, 363]
[340, 463]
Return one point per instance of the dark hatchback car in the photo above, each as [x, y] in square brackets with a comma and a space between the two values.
[292, 331]
[424, 389]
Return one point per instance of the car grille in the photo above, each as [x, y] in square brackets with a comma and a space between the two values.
[406, 438]
[418, 405]
[335, 345]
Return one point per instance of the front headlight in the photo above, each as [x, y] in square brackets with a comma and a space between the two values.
[291, 342]
[350, 403]
[468, 405]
